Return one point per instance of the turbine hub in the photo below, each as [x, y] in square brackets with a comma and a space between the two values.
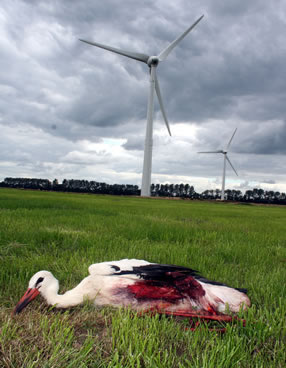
[153, 61]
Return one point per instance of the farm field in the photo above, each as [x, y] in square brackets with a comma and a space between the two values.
[240, 245]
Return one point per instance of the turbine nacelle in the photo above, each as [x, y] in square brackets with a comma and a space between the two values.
[153, 61]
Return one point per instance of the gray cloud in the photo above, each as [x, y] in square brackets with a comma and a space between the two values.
[268, 182]
[134, 143]
[56, 92]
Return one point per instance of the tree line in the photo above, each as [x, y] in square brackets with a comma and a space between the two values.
[257, 195]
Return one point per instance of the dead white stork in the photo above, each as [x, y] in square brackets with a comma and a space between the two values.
[142, 286]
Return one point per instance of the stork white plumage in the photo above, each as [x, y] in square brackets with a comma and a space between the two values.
[152, 62]
[225, 158]
[142, 286]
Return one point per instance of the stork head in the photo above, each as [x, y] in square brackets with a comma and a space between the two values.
[43, 282]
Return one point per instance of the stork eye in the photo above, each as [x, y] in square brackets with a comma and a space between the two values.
[40, 279]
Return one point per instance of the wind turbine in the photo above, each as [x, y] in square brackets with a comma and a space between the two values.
[225, 158]
[152, 62]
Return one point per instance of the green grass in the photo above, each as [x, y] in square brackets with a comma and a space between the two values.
[243, 246]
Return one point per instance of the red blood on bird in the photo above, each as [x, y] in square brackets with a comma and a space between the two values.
[190, 286]
[180, 287]
[145, 290]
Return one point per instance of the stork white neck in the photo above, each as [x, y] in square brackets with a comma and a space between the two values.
[49, 288]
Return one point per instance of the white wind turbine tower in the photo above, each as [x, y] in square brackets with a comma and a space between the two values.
[224, 152]
[152, 62]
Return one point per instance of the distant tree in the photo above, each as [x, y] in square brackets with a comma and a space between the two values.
[217, 193]
[192, 191]
[187, 190]
[167, 189]
[248, 195]
[260, 193]
[271, 195]
[205, 194]
[181, 190]
[277, 195]
[175, 190]
[157, 189]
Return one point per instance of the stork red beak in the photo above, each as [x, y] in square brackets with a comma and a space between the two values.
[29, 295]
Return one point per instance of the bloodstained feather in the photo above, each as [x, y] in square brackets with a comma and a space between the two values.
[145, 290]
[181, 288]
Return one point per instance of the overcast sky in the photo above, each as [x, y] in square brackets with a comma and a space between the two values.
[71, 110]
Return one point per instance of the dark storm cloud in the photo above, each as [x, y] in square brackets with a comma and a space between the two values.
[229, 65]
[229, 72]
[240, 67]
[268, 138]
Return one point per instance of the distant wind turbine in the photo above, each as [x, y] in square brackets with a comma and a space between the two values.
[224, 152]
[152, 62]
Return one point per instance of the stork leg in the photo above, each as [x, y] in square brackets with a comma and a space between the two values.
[195, 318]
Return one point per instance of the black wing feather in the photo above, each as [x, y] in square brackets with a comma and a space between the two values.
[163, 272]
[155, 271]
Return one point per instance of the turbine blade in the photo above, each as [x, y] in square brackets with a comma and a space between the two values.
[231, 139]
[163, 54]
[219, 151]
[231, 164]
[130, 54]
[157, 88]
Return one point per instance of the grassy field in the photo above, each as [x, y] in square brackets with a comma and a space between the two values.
[241, 245]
